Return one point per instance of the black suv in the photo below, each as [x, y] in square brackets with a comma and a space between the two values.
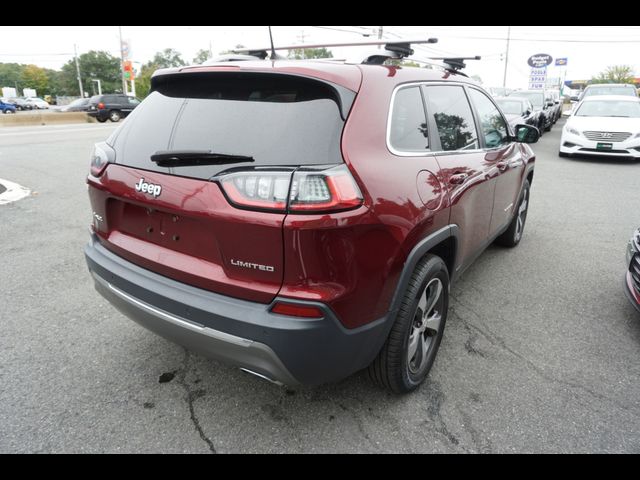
[111, 107]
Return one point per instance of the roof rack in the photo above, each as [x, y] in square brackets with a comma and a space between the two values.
[394, 50]
[455, 64]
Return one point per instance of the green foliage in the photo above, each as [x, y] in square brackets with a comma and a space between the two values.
[143, 80]
[615, 74]
[202, 56]
[11, 75]
[299, 54]
[167, 58]
[36, 78]
[98, 65]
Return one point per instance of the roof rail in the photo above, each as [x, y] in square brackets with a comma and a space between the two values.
[392, 49]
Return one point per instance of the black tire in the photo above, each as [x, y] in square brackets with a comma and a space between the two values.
[101, 120]
[563, 155]
[511, 238]
[548, 128]
[392, 368]
[115, 116]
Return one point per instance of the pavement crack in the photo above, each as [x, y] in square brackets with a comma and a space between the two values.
[499, 342]
[191, 396]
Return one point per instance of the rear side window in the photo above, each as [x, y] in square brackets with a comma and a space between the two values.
[278, 120]
[452, 113]
[492, 123]
[408, 130]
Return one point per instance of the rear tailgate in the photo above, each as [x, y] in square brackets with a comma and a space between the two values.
[189, 233]
[178, 222]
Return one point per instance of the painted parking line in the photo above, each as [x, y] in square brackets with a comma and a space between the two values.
[13, 192]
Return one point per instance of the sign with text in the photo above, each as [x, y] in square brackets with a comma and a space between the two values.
[538, 78]
[541, 60]
[561, 62]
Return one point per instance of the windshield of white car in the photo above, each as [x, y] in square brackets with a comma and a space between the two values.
[593, 91]
[609, 108]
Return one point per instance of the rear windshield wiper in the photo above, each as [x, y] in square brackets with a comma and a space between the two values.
[196, 158]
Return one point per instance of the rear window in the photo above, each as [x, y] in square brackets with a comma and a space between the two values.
[278, 120]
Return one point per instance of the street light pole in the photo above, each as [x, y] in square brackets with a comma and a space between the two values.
[506, 60]
[124, 81]
[75, 49]
[99, 85]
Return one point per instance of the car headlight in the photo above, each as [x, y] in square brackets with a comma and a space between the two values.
[572, 130]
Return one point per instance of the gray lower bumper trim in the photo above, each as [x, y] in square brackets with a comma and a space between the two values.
[247, 354]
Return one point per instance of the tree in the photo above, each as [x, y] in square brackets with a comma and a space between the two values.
[36, 78]
[98, 65]
[202, 56]
[143, 81]
[11, 75]
[168, 58]
[615, 74]
[300, 53]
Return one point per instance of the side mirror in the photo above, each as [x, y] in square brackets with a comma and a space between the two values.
[550, 104]
[527, 112]
[527, 133]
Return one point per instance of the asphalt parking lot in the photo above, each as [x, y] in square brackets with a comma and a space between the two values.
[541, 351]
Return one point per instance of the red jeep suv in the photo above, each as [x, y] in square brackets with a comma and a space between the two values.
[303, 220]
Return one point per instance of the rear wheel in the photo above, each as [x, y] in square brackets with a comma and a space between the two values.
[115, 116]
[101, 120]
[410, 350]
[513, 235]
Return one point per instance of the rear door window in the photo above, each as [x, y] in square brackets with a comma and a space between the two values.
[453, 117]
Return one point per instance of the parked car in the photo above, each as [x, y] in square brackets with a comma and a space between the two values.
[79, 105]
[606, 125]
[36, 103]
[264, 217]
[625, 89]
[111, 107]
[6, 107]
[20, 103]
[518, 110]
[554, 96]
[543, 107]
[632, 278]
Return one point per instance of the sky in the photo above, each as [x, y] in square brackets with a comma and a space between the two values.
[589, 49]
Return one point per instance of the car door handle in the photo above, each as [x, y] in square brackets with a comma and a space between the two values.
[458, 179]
[502, 166]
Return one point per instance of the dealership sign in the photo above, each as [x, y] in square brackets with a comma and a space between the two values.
[540, 61]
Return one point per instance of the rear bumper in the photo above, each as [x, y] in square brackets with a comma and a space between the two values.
[100, 114]
[244, 334]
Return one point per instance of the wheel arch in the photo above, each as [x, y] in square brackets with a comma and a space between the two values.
[443, 243]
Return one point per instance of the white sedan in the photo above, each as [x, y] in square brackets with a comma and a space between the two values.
[37, 103]
[603, 125]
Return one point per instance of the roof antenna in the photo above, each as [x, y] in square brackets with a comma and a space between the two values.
[273, 48]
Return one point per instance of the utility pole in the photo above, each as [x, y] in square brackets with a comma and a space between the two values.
[75, 49]
[380, 34]
[124, 81]
[210, 50]
[506, 60]
[302, 36]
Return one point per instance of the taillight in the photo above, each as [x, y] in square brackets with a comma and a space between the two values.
[100, 106]
[306, 191]
[326, 190]
[101, 156]
[258, 190]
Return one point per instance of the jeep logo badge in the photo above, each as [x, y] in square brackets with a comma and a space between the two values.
[149, 188]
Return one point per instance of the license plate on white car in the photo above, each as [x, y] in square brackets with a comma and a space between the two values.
[604, 146]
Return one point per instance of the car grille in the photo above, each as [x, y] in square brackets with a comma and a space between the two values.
[607, 136]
